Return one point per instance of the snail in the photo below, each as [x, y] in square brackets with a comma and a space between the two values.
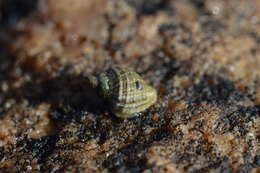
[125, 90]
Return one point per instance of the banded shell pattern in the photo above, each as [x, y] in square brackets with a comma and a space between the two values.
[126, 91]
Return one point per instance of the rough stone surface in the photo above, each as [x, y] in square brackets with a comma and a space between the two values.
[203, 57]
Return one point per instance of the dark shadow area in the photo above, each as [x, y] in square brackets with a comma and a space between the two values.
[150, 7]
[69, 90]
[6, 58]
[11, 11]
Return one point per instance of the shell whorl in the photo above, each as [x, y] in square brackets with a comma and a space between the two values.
[125, 90]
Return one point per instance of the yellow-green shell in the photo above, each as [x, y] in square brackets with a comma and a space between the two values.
[126, 91]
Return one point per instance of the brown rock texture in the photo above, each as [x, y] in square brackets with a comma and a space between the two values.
[202, 56]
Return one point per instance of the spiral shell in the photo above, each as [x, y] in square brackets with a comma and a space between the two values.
[126, 91]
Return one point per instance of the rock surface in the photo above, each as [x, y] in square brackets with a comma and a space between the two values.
[203, 57]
